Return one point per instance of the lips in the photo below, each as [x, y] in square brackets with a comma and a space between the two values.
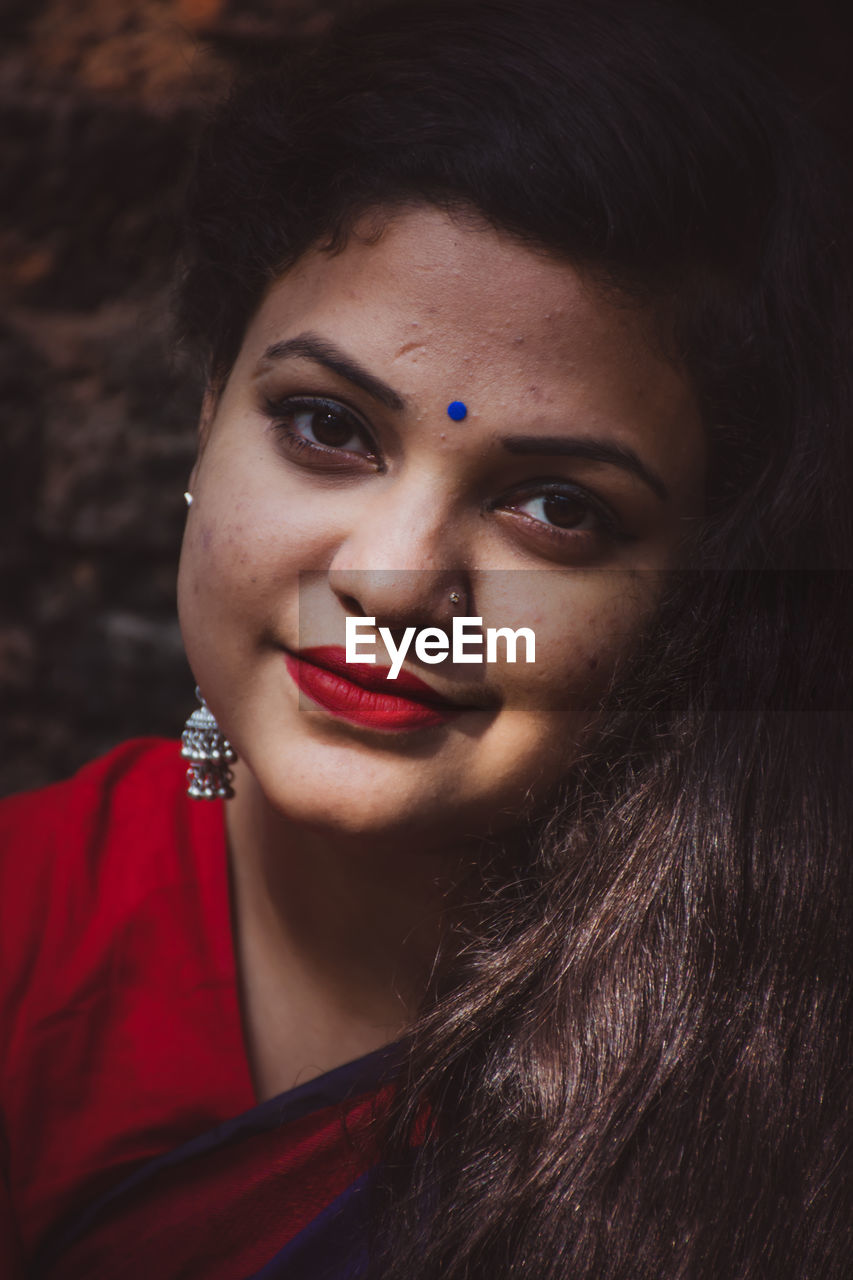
[359, 692]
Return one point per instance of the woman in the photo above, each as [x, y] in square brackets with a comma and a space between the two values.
[536, 315]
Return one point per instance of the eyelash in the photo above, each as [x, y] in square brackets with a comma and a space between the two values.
[607, 523]
[282, 412]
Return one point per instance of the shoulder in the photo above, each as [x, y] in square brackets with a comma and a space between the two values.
[79, 858]
[115, 970]
[115, 780]
[56, 830]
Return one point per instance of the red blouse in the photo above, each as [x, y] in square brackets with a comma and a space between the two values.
[117, 974]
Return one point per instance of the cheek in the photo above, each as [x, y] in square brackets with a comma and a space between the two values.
[237, 555]
[217, 560]
[232, 583]
[600, 631]
[584, 624]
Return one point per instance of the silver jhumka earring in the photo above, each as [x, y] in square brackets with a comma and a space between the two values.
[210, 755]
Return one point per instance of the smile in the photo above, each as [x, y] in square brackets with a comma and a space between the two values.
[358, 692]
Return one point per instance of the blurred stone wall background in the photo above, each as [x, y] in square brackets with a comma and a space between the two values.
[100, 102]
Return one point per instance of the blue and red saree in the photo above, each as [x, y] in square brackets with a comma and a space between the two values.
[279, 1193]
[132, 1142]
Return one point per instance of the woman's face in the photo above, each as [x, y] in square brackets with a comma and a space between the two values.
[332, 483]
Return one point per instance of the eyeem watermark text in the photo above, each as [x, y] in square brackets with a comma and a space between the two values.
[433, 645]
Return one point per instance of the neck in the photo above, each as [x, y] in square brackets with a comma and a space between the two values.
[336, 937]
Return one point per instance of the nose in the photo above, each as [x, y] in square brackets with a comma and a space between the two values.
[403, 561]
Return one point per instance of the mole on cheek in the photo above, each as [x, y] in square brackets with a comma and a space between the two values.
[592, 663]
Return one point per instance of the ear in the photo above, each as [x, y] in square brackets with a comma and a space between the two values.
[209, 405]
[207, 413]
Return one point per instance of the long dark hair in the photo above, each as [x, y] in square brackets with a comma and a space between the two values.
[637, 1064]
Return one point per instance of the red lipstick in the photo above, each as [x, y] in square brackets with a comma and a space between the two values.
[362, 693]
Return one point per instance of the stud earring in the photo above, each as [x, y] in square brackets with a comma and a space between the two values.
[188, 499]
[209, 754]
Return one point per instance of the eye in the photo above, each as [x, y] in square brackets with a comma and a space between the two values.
[563, 510]
[561, 518]
[322, 433]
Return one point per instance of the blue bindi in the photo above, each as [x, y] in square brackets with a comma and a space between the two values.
[457, 410]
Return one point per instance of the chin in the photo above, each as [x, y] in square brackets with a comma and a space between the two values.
[410, 794]
[353, 794]
[381, 816]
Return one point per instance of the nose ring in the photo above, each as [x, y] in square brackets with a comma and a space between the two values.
[455, 597]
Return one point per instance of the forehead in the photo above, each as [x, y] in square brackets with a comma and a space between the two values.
[444, 309]
[469, 293]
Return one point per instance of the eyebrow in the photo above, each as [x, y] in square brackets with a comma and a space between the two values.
[309, 346]
[617, 455]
